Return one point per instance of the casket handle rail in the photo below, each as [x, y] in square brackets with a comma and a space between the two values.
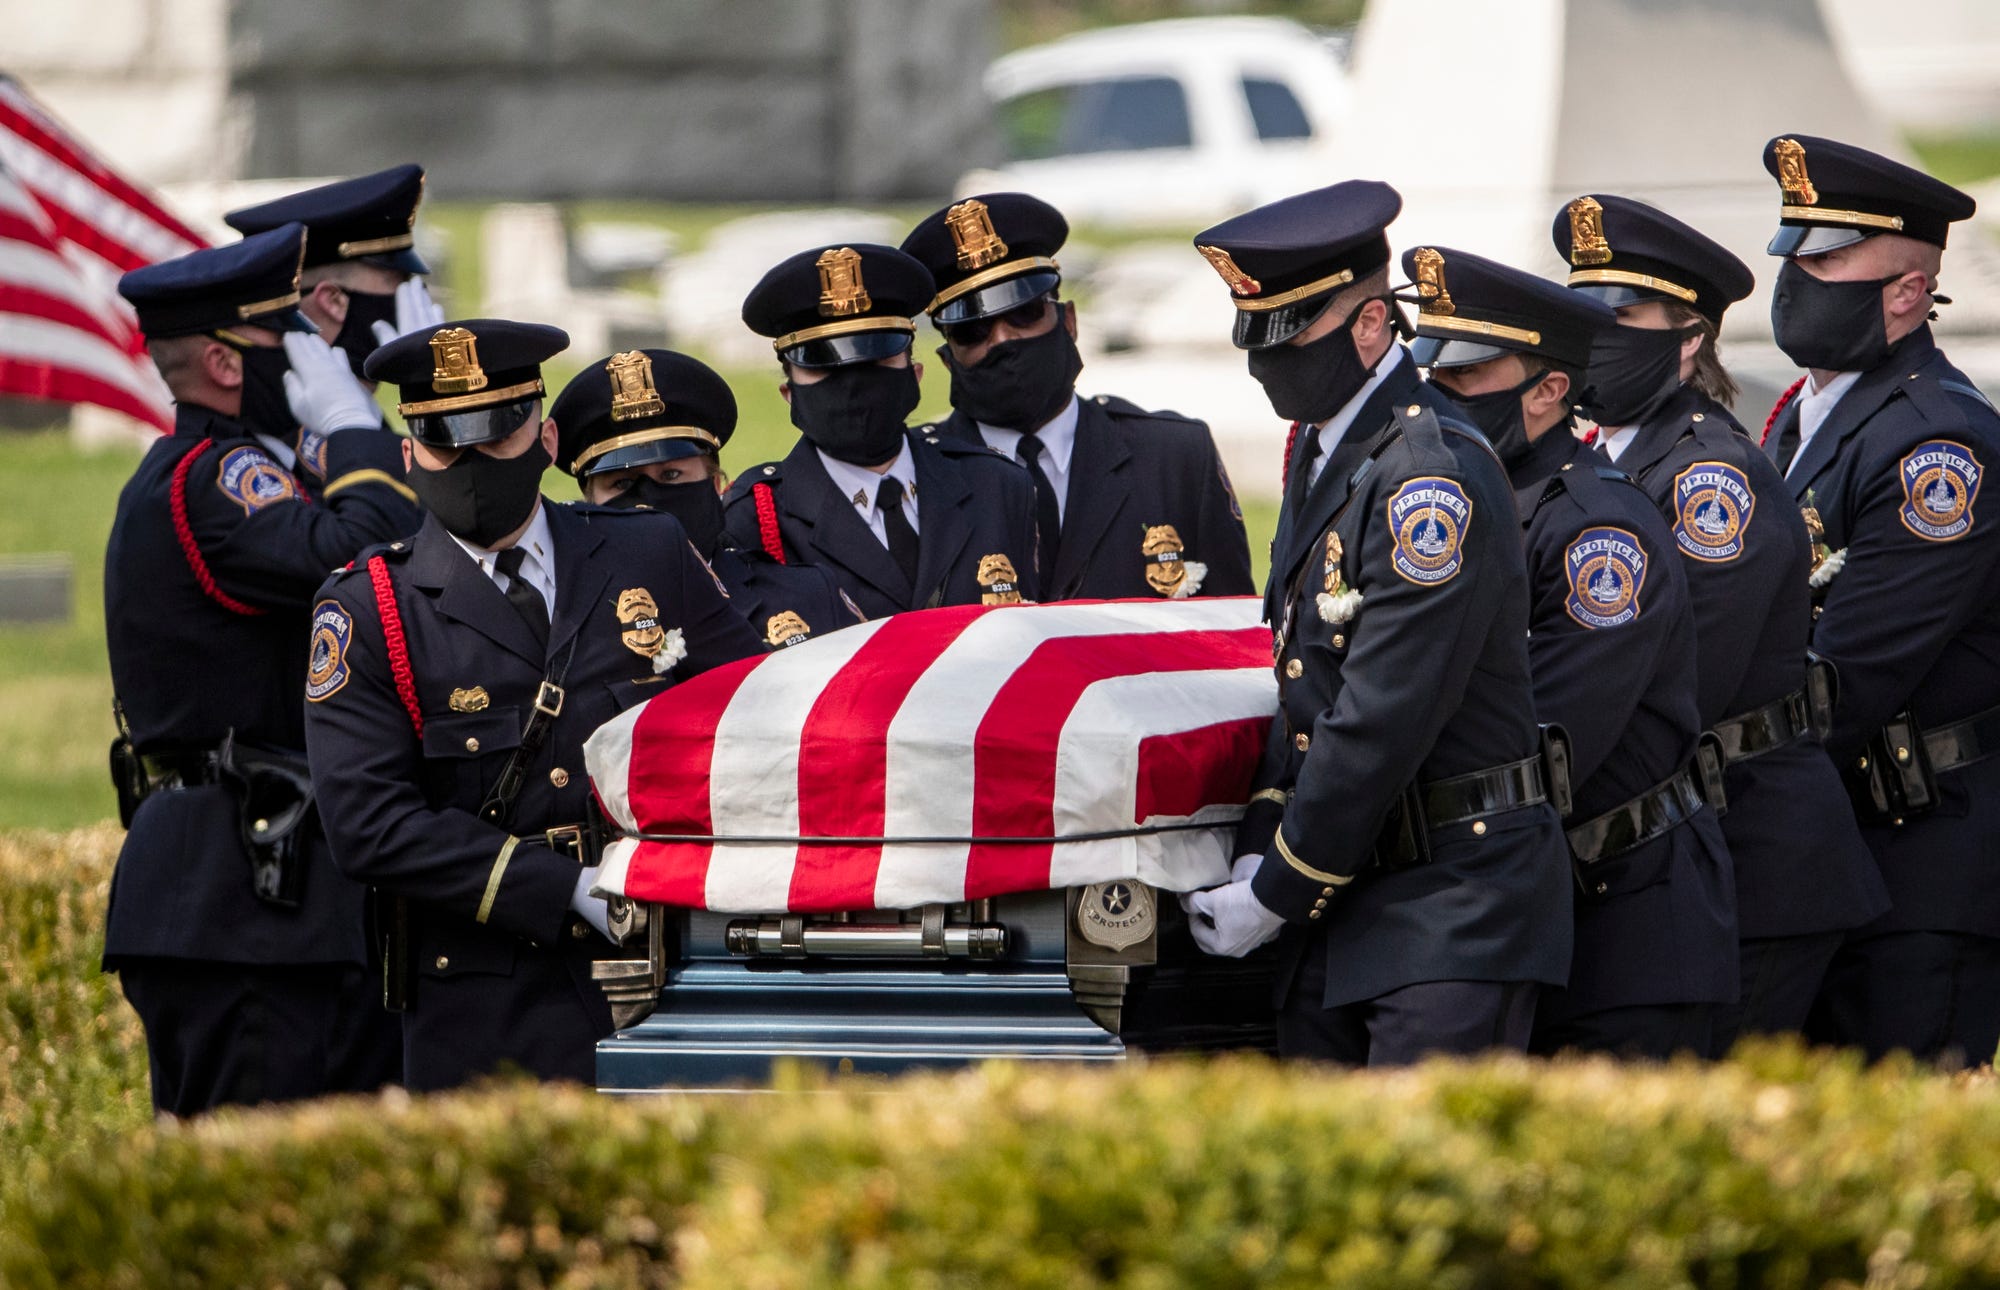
[790, 936]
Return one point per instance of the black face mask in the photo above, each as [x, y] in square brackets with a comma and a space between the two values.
[1309, 383]
[857, 413]
[482, 498]
[1633, 370]
[1498, 416]
[1834, 326]
[265, 408]
[695, 504]
[357, 333]
[1020, 384]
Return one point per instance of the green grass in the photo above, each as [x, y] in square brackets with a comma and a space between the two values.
[1962, 158]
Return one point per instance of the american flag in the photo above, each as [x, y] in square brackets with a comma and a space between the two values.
[945, 755]
[69, 225]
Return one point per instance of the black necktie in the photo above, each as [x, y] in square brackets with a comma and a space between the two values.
[1788, 440]
[521, 594]
[902, 538]
[1304, 481]
[1048, 516]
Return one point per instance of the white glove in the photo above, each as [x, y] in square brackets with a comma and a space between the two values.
[592, 909]
[321, 387]
[415, 310]
[1229, 920]
[1245, 868]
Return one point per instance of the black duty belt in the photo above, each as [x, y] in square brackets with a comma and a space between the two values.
[1963, 742]
[1484, 792]
[1761, 729]
[182, 767]
[1656, 811]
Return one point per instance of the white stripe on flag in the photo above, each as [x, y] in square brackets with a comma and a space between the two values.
[59, 345]
[754, 781]
[31, 266]
[53, 181]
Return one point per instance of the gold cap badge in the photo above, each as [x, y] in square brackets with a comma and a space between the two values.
[1586, 232]
[1432, 297]
[1239, 282]
[972, 232]
[456, 358]
[842, 294]
[633, 394]
[1792, 176]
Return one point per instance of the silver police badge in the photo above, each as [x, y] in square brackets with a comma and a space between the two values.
[1116, 914]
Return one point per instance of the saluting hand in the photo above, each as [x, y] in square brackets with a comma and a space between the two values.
[415, 310]
[321, 387]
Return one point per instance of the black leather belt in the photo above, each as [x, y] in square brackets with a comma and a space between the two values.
[182, 768]
[1963, 742]
[1654, 812]
[1484, 792]
[1761, 729]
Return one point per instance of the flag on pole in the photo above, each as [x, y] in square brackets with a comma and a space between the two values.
[946, 755]
[69, 225]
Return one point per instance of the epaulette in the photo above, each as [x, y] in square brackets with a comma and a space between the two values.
[1938, 400]
[953, 446]
[1421, 430]
[1118, 407]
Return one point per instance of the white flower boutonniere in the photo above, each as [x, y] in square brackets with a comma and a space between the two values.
[1825, 566]
[1338, 608]
[1196, 571]
[672, 650]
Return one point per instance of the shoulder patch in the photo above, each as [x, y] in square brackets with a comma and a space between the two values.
[312, 452]
[253, 481]
[1606, 568]
[1429, 517]
[1940, 482]
[1712, 508]
[326, 665]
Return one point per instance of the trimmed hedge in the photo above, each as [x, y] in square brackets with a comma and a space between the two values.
[1778, 1169]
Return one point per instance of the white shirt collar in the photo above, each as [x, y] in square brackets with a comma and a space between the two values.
[1058, 444]
[538, 566]
[287, 457]
[1816, 402]
[859, 485]
[1335, 427]
[1616, 439]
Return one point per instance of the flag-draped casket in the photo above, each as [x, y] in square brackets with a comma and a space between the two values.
[945, 755]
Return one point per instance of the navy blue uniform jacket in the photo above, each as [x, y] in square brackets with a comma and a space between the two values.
[1611, 642]
[190, 666]
[502, 969]
[1800, 865]
[784, 604]
[1912, 619]
[1133, 473]
[975, 512]
[1426, 679]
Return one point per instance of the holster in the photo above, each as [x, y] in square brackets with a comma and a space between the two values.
[128, 779]
[274, 802]
[1822, 692]
[1708, 765]
[392, 927]
[1556, 768]
[1893, 779]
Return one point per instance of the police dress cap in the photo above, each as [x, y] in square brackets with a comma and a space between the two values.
[840, 304]
[252, 283]
[1471, 309]
[369, 217]
[467, 382]
[640, 407]
[1834, 194]
[1285, 262]
[989, 254]
[1624, 252]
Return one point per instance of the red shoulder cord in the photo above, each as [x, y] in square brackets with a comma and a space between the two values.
[184, 532]
[767, 521]
[1285, 471]
[1778, 408]
[392, 636]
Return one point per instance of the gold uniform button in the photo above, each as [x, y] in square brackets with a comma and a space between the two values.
[1479, 828]
[1697, 416]
[1326, 891]
[443, 962]
[579, 929]
[770, 470]
[559, 777]
[472, 745]
[1302, 742]
[1413, 410]
[1602, 888]
[1295, 669]
[1340, 642]
[1320, 903]
[1314, 915]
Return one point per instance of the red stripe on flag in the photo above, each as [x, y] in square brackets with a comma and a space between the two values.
[33, 303]
[668, 787]
[27, 119]
[35, 380]
[844, 755]
[1175, 771]
[1022, 730]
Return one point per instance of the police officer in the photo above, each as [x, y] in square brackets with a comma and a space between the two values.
[901, 520]
[1885, 445]
[646, 428]
[1154, 513]
[239, 944]
[362, 285]
[454, 678]
[1611, 644]
[1400, 844]
[1658, 388]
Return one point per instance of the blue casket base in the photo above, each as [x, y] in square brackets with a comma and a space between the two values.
[728, 1023]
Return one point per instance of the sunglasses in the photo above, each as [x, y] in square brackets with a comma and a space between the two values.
[1020, 318]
